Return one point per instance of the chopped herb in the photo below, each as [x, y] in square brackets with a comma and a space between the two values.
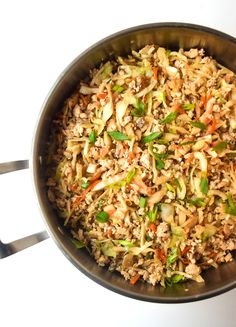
[118, 88]
[130, 176]
[199, 202]
[102, 217]
[92, 137]
[152, 214]
[151, 137]
[198, 124]
[85, 185]
[220, 146]
[204, 185]
[142, 202]
[230, 207]
[172, 257]
[188, 106]
[125, 243]
[149, 256]
[161, 96]
[178, 185]
[118, 136]
[139, 109]
[174, 279]
[160, 155]
[187, 143]
[169, 118]
[77, 243]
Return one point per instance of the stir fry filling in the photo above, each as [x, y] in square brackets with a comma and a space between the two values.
[141, 165]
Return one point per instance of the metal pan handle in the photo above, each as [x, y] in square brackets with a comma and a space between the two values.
[23, 243]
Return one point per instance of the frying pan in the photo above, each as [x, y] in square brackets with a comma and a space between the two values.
[170, 35]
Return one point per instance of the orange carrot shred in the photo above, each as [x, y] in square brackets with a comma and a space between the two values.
[134, 279]
[155, 71]
[153, 227]
[160, 253]
[131, 156]
[84, 193]
[95, 177]
[211, 128]
[185, 250]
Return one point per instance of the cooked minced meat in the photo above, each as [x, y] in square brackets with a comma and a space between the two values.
[141, 165]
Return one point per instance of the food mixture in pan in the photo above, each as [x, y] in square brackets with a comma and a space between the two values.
[141, 165]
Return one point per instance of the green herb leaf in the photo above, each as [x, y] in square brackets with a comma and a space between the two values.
[130, 175]
[169, 118]
[77, 243]
[172, 257]
[118, 136]
[92, 137]
[220, 146]
[142, 202]
[188, 106]
[198, 124]
[187, 143]
[230, 207]
[160, 155]
[204, 185]
[160, 164]
[151, 137]
[199, 202]
[125, 243]
[85, 185]
[102, 217]
[118, 88]
[152, 214]
[161, 96]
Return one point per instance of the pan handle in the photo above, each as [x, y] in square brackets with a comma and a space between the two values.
[25, 242]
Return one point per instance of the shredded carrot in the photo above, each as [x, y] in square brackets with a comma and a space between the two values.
[131, 156]
[185, 250]
[109, 233]
[160, 253]
[104, 151]
[102, 95]
[211, 128]
[153, 227]
[85, 99]
[134, 279]
[203, 101]
[177, 107]
[96, 176]
[212, 255]
[74, 187]
[155, 71]
[85, 192]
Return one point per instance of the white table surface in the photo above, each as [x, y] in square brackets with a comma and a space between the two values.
[39, 286]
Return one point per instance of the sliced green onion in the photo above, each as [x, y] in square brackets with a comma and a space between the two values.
[85, 185]
[199, 202]
[169, 118]
[204, 185]
[230, 207]
[151, 137]
[220, 146]
[118, 136]
[170, 188]
[198, 124]
[187, 143]
[125, 243]
[130, 175]
[174, 279]
[142, 202]
[177, 183]
[161, 96]
[92, 137]
[139, 109]
[188, 106]
[77, 243]
[152, 214]
[102, 217]
[172, 257]
[118, 88]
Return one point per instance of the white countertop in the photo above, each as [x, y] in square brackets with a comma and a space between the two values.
[39, 286]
